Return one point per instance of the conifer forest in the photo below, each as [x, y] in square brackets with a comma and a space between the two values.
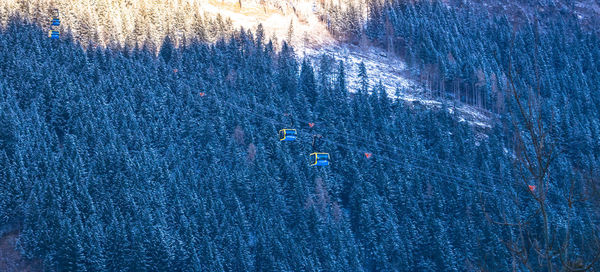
[158, 136]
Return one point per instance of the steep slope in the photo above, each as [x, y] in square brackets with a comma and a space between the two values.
[126, 165]
[519, 11]
[303, 24]
[126, 159]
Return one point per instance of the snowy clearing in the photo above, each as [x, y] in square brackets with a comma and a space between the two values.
[391, 72]
[311, 39]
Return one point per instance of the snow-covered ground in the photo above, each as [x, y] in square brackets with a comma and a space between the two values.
[392, 73]
[276, 17]
[380, 67]
[311, 39]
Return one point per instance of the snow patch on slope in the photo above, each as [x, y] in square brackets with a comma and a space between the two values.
[311, 39]
[389, 70]
[392, 73]
[276, 18]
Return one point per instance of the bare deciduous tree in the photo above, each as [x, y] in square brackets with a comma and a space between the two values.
[547, 245]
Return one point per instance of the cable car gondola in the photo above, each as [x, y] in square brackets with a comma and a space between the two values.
[53, 34]
[287, 134]
[319, 159]
[55, 19]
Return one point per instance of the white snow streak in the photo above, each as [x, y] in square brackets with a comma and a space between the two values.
[311, 39]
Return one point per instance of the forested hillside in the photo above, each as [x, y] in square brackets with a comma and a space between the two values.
[120, 159]
[137, 23]
[466, 54]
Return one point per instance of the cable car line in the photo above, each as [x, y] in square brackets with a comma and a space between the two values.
[471, 184]
[483, 175]
[496, 177]
[412, 165]
[425, 160]
[315, 158]
[318, 158]
[273, 121]
[288, 134]
[451, 177]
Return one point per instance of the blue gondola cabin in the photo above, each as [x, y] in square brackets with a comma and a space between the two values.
[287, 135]
[319, 159]
[53, 34]
[55, 22]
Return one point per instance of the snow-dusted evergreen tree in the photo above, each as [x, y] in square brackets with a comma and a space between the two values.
[131, 159]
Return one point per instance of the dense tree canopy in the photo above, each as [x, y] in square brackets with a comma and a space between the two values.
[113, 160]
